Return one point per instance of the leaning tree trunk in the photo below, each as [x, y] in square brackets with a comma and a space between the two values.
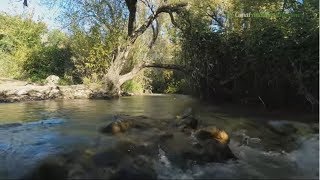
[114, 79]
[112, 82]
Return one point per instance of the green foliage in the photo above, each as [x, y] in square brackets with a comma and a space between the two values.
[19, 38]
[138, 85]
[132, 86]
[166, 81]
[28, 51]
[93, 51]
[53, 58]
[273, 57]
[50, 60]
[176, 86]
[97, 29]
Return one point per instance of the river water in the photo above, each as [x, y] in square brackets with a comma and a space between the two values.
[32, 131]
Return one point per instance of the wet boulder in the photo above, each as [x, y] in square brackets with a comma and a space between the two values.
[118, 126]
[213, 133]
[123, 123]
[185, 151]
[209, 151]
[182, 149]
[122, 151]
[127, 160]
[139, 167]
[188, 123]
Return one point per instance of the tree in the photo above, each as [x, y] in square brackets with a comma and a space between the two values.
[19, 37]
[271, 56]
[116, 27]
[259, 57]
[114, 78]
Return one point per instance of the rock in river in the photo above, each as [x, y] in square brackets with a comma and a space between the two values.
[117, 127]
[139, 167]
[123, 123]
[213, 133]
[188, 123]
[145, 144]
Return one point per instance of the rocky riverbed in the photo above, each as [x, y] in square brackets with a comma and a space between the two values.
[176, 143]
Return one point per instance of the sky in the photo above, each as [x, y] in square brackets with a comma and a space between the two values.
[40, 12]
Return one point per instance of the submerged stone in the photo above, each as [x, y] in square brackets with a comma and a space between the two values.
[117, 127]
[188, 123]
[50, 171]
[139, 167]
[123, 123]
[284, 128]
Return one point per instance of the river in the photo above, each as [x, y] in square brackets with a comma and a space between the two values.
[33, 131]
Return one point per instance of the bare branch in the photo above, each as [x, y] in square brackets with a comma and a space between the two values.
[215, 18]
[170, 8]
[173, 21]
[25, 3]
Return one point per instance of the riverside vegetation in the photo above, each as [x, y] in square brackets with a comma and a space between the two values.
[205, 49]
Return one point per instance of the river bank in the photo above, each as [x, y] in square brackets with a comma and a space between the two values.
[12, 90]
[16, 91]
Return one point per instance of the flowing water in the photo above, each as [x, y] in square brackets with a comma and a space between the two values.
[32, 131]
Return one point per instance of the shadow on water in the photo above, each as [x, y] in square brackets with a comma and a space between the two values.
[266, 146]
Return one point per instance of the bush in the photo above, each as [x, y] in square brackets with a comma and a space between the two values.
[133, 86]
[19, 38]
[48, 61]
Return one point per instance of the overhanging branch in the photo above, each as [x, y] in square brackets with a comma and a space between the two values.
[170, 8]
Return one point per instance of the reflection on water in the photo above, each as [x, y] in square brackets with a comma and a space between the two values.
[32, 131]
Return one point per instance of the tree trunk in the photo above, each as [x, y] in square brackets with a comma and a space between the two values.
[112, 81]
